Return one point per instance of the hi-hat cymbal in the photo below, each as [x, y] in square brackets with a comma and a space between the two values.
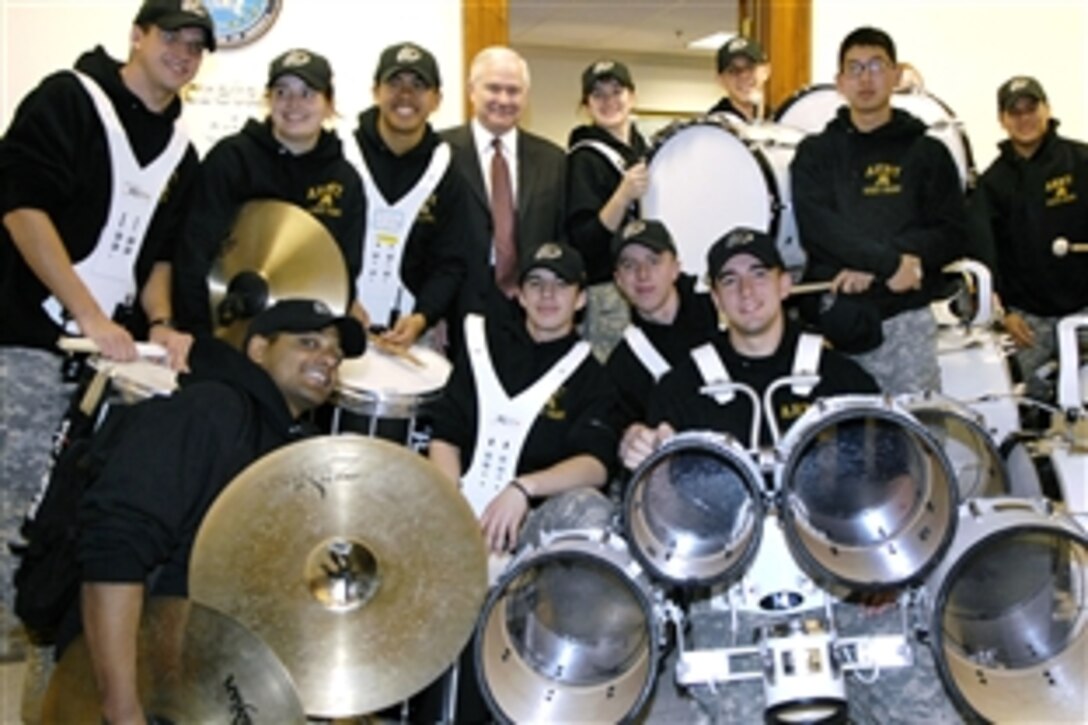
[354, 559]
[193, 665]
[275, 251]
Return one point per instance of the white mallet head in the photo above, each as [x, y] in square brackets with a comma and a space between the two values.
[1060, 247]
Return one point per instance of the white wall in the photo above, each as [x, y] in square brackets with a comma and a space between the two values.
[966, 48]
[40, 36]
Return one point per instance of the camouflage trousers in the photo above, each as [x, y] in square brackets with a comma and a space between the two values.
[33, 399]
[906, 362]
[1045, 349]
[607, 315]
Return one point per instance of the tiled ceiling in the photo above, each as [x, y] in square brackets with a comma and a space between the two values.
[663, 27]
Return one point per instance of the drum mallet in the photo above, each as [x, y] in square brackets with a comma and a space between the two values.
[89, 346]
[807, 288]
[1063, 246]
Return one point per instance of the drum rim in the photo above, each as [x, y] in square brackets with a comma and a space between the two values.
[751, 476]
[1044, 523]
[576, 547]
[796, 440]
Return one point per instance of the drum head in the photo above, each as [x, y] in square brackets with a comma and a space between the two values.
[694, 510]
[139, 379]
[383, 384]
[705, 181]
[1009, 613]
[868, 496]
[567, 635]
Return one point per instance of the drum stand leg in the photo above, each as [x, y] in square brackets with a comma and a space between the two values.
[449, 693]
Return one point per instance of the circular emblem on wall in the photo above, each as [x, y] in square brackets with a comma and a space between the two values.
[240, 22]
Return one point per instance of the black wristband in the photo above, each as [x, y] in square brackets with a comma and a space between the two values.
[524, 491]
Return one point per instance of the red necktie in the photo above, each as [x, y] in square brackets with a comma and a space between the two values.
[502, 222]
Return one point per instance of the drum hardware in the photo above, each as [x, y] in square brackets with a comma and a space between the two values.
[275, 250]
[1072, 395]
[1063, 246]
[1007, 613]
[194, 664]
[358, 563]
[724, 390]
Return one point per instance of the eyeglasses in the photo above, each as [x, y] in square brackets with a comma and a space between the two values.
[875, 66]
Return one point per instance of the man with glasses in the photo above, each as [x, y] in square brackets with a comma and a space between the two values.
[743, 70]
[414, 250]
[1034, 193]
[880, 212]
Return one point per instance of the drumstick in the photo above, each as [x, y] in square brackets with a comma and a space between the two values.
[87, 345]
[1063, 246]
[393, 349]
[810, 287]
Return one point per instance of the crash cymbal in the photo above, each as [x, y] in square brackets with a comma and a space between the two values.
[193, 665]
[356, 560]
[275, 251]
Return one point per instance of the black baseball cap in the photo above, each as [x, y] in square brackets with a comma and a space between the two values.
[560, 258]
[742, 240]
[311, 67]
[298, 315]
[176, 14]
[606, 70]
[740, 47]
[409, 57]
[650, 233]
[1016, 88]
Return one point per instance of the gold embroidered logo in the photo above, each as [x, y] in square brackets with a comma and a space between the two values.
[1059, 190]
[553, 409]
[882, 179]
[324, 199]
[426, 212]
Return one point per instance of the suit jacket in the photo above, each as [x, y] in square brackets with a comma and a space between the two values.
[540, 207]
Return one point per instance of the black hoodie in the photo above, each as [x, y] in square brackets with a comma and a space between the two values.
[436, 257]
[252, 164]
[172, 459]
[54, 157]
[591, 181]
[863, 199]
[1021, 206]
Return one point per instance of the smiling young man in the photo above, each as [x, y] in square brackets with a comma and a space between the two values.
[1036, 191]
[760, 346]
[743, 70]
[880, 209]
[414, 248]
[524, 417]
[172, 458]
[289, 156]
[498, 88]
[668, 317]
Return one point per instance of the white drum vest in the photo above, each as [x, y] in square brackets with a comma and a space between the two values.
[806, 361]
[645, 352]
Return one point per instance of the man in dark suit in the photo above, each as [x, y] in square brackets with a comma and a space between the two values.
[498, 88]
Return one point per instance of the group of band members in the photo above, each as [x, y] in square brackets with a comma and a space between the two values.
[487, 240]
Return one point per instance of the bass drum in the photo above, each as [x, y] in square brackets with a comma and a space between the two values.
[866, 493]
[711, 174]
[810, 109]
[1008, 612]
[569, 634]
[694, 510]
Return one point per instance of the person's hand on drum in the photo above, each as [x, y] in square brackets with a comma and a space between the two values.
[639, 441]
[406, 331]
[114, 342]
[908, 276]
[851, 282]
[177, 345]
[501, 520]
[1019, 329]
[636, 179]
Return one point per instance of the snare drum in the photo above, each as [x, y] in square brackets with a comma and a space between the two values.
[569, 634]
[866, 493]
[694, 510]
[811, 108]
[710, 175]
[385, 395]
[1008, 612]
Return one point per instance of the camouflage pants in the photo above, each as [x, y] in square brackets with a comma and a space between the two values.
[33, 399]
[1030, 359]
[906, 362]
[607, 314]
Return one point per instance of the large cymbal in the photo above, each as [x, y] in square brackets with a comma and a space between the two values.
[193, 665]
[275, 251]
[354, 559]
